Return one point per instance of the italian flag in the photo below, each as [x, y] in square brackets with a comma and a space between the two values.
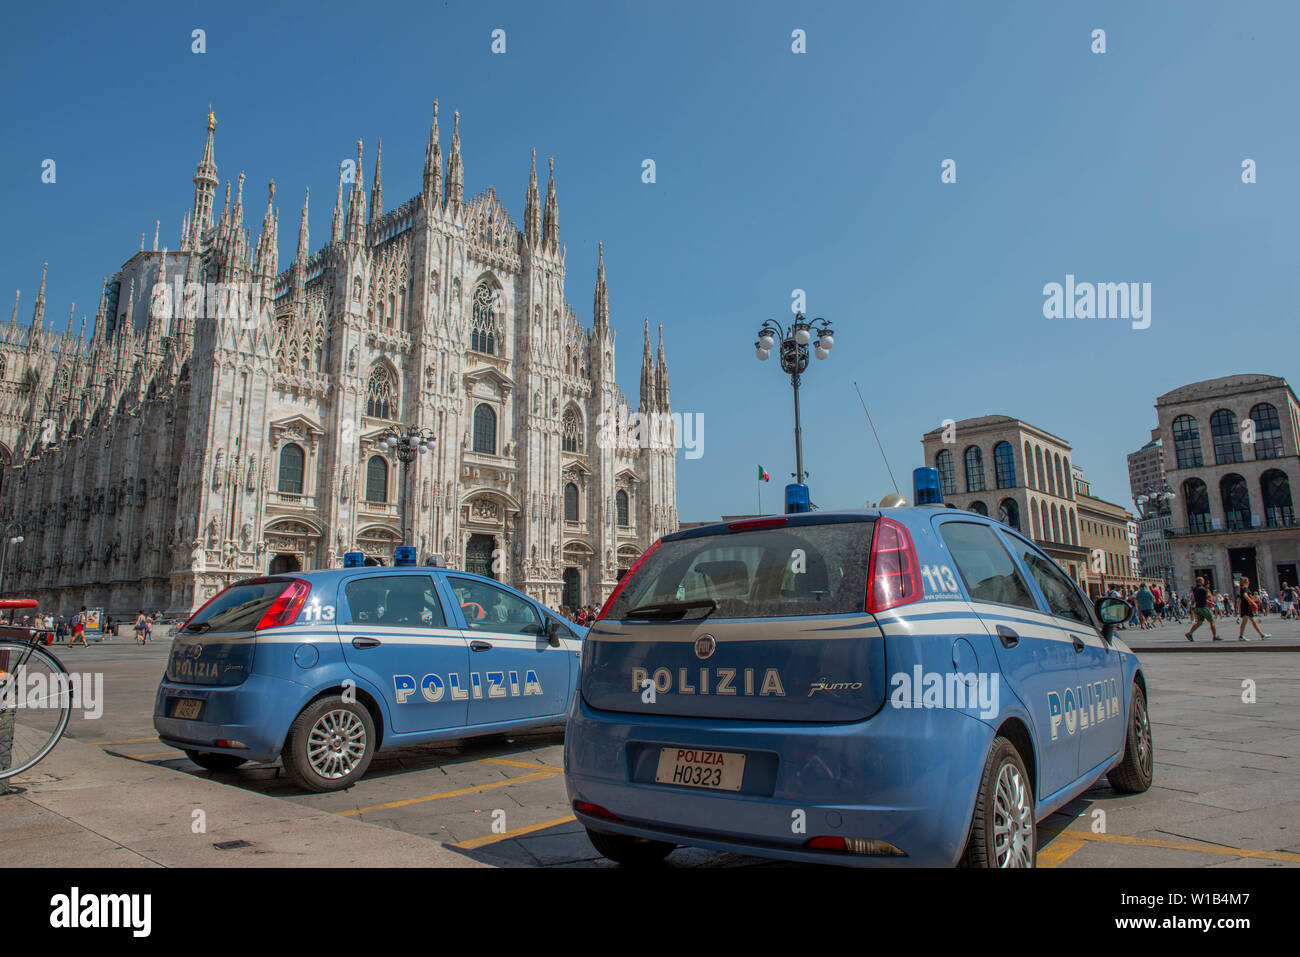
[762, 475]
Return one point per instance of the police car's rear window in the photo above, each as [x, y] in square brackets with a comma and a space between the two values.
[768, 573]
[239, 608]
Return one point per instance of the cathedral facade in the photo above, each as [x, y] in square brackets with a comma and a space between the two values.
[226, 418]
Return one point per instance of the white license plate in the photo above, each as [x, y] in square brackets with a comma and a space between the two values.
[691, 767]
[187, 709]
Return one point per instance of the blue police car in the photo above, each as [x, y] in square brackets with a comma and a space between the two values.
[906, 686]
[325, 668]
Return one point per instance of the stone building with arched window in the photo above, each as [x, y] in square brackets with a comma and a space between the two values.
[240, 434]
[1231, 459]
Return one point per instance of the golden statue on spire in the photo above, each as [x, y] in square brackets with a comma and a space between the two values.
[212, 119]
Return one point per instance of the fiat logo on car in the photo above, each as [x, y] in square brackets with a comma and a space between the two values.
[705, 646]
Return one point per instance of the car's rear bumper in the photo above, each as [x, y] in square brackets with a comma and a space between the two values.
[256, 713]
[906, 777]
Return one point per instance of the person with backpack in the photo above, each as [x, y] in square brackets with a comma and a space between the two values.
[79, 628]
[1247, 608]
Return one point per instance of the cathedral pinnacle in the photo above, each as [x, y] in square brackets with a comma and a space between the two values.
[551, 221]
[532, 208]
[336, 228]
[433, 162]
[600, 307]
[648, 395]
[377, 189]
[455, 169]
[356, 224]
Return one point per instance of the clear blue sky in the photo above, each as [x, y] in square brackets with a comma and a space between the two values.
[775, 171]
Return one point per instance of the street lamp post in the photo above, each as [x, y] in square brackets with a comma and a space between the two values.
[407, 442]
[793, 344]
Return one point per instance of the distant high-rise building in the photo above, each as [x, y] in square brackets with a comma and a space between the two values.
[1146, 467]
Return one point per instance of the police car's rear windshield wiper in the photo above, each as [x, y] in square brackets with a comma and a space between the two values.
[674, 609]
[198, 627]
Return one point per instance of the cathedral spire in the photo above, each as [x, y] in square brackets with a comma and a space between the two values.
[455, 169]
[532, 208]
[101, 314]
[661, 374]
[356, 224]
[647, 373]
[303, 248]
[265, 253]
[377, 189]
[205, 187]
[38, 314]
[300, 259]
[336, 228]
[433, 162]
[600, 306]
[551, 222]
[13, 319]
[157, 223]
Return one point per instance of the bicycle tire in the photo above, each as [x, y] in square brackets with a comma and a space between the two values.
[24, 652]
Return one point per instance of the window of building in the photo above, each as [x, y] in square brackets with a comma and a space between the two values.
[291, 462]
[1236, 501]
[621, 509]
[1275, 489]
[947, 480]
[974, 469]
[1009, 513]
[1227, 440]
[1042, 476]
[1268, 431]
[1029, 467]
[570, 502]
[381, 393]
[485, 429]
[978, 507]
[1187, 443]
[483, 323]
[1004, 465]
[377, 479]
[1197, 498]
[571, 432]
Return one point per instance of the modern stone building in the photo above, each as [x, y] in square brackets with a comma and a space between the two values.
[1017, 473]
[225, 417]
[1230, 448]
[1146, 468]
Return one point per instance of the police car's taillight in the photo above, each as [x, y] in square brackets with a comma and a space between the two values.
[594, 810]
[868, 847]
[285, 608]
[609, 602]
[894, 575]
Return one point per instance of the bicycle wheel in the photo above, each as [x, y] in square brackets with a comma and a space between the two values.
[35, 704]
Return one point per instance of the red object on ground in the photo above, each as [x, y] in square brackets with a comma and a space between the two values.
[18, 603]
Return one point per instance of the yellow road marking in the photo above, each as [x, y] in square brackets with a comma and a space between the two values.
[517, 832]
[152, 754]
[1286, 856]
[104, 744]
[536, 775]
[523, 764]
[1058, 852]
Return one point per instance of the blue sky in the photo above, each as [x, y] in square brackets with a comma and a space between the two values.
[775, 171]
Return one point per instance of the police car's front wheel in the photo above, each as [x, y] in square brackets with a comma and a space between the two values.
[629, 851]
[1003, 831]
[330, 745]
[1133, 775]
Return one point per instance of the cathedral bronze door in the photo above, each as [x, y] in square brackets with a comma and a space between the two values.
[478, 555]
[281, 564]
[572, 588]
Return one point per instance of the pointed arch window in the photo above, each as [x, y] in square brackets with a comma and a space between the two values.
[483, 321]
[571, 502]
[377, 479]
[485, 429]
[621, 508]
[291, 468]
[571, 432]
[381, 393]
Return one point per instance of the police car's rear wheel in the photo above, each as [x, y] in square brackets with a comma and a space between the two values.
[629, 851]
[215, 762]
[1003, 831]
[330, 744]
[1135, 772]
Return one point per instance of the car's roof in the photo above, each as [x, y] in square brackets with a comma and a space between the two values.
[909, 514]
[322, 575]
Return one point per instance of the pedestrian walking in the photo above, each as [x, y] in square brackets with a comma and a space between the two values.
[79, 628]
[1247, 607]
[141, 624]
[1201, 610]
[1145, 603]
[1287, 596]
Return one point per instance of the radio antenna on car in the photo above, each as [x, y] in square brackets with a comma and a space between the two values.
[873, 432]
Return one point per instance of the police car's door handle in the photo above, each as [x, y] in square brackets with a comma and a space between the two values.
[360, 642]
[1078, 642]
[477, 645]
[1008, 636]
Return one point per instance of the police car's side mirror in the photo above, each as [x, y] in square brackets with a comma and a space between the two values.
[553, 634]
[1111, 612]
